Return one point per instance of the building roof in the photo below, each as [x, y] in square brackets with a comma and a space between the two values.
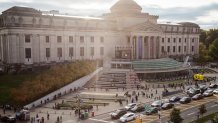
[126, 6]
[22, 10]
[156, 64]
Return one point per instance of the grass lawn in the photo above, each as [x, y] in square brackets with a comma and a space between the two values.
[205, 118]
[8, 81]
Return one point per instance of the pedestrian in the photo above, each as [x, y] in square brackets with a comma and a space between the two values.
[126, 101]
[58, 120]
[97, 107]
[47, 116]
[43, 120]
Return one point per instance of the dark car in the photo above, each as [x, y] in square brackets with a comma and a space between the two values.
[185, 100]
[197, 97]
[166, 106]
[213, 86]
[193, 91]
[138, 108]
[202, 88]
[118, 113]
[174, 99]
[8, 119]
[152, 110]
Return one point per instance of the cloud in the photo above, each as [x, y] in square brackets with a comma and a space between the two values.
[201, 12]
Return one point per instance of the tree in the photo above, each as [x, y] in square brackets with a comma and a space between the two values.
[213, 50]
[175, 116]
[215, 119]
[202, 109]
[203, 55]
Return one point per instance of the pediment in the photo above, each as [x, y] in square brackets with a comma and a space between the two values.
[145, 27]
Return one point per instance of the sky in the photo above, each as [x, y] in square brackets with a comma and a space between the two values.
[202, 12]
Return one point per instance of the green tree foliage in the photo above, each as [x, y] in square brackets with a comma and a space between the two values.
[175, 116]
[202, 109]
[212, 34]
[51, 80]
[215, 119]
[213, 50]
[203, 54]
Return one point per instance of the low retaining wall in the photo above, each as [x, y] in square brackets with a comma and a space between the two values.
[64, 90]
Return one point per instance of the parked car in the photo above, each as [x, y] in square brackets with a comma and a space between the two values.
[129, 106]
[215, 91]
[208, 93]
[157, 103]
[213, 86]
[8, 119]
[118, 113]
[197, 97]
[166, 106]
[138, 108]
[185, 100]
[202, 88]
[152, 110]
[174, 99]
[193, 91]
[127, 117]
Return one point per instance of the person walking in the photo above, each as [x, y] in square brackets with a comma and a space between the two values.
[47, 116]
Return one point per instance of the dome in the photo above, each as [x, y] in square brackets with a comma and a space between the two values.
[126, 6]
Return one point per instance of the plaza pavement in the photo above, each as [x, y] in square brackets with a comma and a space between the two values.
[68, 116]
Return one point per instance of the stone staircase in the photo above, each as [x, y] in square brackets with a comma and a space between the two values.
[132, 80]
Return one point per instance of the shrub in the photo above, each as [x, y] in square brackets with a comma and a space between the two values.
[51, 80]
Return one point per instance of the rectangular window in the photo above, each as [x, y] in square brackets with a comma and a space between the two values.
[162, 49]
[102, 39]
[192, 48]
[59, 53]
[184, 48]
[59, 39]
[180, 40]
[92, 51]
[28, 53]
[101, 51]
[174, 40]
[193, 40]
[81, 39]
[47, 50]
[162, 40]
[81, 51]
[71, 51]
[185, 40]
[27, 39]
[168, 49]
[92, 39]
[71, 39]
[179, 49]
[174, 49]
[47, 39]
[168, 40]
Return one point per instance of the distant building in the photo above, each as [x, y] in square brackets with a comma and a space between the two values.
[29, 36]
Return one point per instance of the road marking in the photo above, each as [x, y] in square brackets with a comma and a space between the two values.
[213, 106]
[191, 113]
[104, 121]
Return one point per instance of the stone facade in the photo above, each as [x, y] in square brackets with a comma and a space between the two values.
[29, 36]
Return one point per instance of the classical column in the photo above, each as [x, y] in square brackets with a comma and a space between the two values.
[149, 47]
[143, 47]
